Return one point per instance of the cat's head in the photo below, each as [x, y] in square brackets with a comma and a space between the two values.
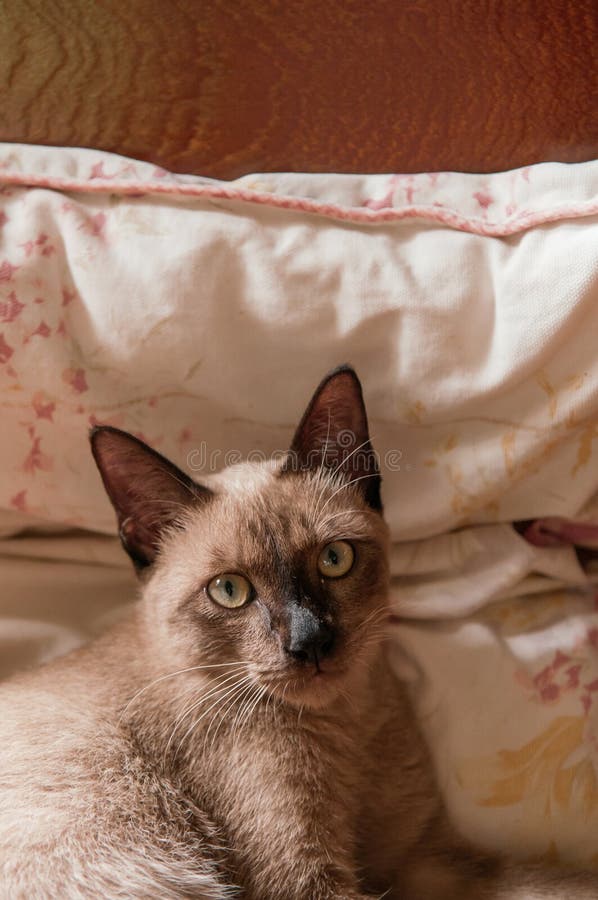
[280, 565]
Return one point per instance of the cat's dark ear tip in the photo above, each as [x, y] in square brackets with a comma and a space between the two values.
[345, 369]
[94, 434]
[100, 429]
[98, 432]
[106, 439]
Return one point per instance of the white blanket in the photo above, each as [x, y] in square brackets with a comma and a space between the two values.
[201, 314]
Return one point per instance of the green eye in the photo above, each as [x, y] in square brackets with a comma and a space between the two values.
[230, 590]
[336, 559]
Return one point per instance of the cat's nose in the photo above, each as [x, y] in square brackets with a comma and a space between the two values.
[310, 639]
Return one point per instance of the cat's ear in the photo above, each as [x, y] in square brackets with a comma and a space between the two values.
[147, 491]
[333, 434]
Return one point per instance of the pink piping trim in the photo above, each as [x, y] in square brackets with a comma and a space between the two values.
[359, 215]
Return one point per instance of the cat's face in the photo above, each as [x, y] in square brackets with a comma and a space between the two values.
[279, 567]
[287, 574]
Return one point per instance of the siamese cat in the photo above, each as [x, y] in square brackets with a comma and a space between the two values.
[240, 734]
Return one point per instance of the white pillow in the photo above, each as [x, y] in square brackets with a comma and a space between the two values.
[202, 314]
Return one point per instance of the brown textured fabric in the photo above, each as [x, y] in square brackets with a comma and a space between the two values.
[225, 87]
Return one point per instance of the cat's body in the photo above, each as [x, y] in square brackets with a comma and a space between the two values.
[241, 734]
[84, 777]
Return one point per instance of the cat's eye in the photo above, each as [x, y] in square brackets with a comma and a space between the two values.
[230, 590]
[336, 559]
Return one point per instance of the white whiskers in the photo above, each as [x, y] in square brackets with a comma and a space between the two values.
[327, 478]
[229, 692]
[345, 484]
[235, 701]
[222, 684]
[172, 675]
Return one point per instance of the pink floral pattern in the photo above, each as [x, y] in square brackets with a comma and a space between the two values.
[566, 673]
[117, 312]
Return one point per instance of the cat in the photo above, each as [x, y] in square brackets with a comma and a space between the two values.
[240, 734]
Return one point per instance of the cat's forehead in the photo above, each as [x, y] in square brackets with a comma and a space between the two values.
[244, 480]
[262, 505]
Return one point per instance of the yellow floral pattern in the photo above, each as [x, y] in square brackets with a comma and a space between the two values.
[554, 770]
[541, 777]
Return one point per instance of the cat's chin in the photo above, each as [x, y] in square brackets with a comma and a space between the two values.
[313, 690]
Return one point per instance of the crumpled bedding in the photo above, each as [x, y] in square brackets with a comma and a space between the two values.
[200, 315]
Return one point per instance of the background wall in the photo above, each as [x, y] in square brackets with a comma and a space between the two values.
[225, 87]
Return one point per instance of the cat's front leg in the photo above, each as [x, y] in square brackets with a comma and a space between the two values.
[287, 815]
[298, 862]
[294, 876]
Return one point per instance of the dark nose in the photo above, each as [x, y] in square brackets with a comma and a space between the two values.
[310, 639]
